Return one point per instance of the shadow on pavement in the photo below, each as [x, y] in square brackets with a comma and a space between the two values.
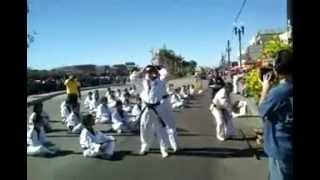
[60, 154]
[215, 152]
[119, 155]
[193, 134]
[242, 138]
[66, 135]
[112, 133]
[181, 130]
[55, 121]
[57, 130]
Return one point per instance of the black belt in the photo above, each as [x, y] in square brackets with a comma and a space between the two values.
[165, 96]
[153, 107]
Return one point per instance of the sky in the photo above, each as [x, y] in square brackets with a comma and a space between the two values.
[106, 32]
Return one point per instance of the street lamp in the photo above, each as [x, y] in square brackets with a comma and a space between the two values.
[239, 31]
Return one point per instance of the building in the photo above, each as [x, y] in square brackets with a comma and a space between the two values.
[254, 50]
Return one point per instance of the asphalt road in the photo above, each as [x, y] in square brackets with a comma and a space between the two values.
[202, 157]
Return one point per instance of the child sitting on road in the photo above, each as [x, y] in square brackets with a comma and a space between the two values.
[108, 93]
[65, 111]
[120, 121]
[132, 91]
[184, 93]
[94, 103]
[112, 100]
[176, 101]
[170, 89]
[96, 94]
[38, 112]
[118, 94]
[191, 90]
[136, 110]
[37, 143]
[73, 120]
[103, 111]
[127, 106]
[88, 99]
[94, 143]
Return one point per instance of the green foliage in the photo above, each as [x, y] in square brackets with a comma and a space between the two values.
[178, 66]
[252, 83]
[272, 46]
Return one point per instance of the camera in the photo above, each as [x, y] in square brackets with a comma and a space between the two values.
[266, 70]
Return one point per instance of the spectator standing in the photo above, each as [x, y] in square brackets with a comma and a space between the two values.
[72, 90]
[276, 108]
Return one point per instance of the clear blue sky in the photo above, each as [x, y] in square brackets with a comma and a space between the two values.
[115, 31]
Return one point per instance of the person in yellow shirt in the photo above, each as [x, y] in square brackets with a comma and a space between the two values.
[72, 90]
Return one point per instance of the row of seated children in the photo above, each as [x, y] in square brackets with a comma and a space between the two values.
[180, 97]
[122, 116]
[93, 143]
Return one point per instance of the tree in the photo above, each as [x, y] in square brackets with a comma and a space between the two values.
[272, 46]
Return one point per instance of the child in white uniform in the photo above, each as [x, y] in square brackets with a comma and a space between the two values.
[191, 90]
[36, 139]
[176, 101]
[103, 111]
[136, 110]
[127, 106]
[112, 101]
[118, 94]
[38, 110]
[73, 120]
[65, 111]
[88, 99]
[132, 91]
[120, 121]
[94, 143]
[94, 103]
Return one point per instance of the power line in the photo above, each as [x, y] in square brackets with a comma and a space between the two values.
[240, 11]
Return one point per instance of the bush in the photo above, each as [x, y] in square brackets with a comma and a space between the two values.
[253, 85]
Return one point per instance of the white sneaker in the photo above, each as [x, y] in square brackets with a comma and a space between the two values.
[164, 154]
[175, 150]
[142, 152]
[220, 138]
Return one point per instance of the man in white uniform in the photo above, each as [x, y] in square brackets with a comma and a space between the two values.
[221, 109]
[152, 116]
[168, 112]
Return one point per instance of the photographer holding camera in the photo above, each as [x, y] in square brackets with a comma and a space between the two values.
[276, 109]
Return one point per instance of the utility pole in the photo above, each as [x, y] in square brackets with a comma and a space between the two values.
[228, 51]
[239, 31]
